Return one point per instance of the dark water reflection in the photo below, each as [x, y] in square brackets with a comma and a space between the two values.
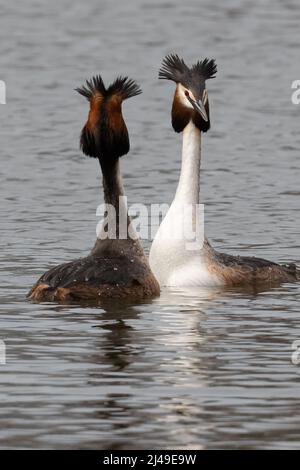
[195, 368]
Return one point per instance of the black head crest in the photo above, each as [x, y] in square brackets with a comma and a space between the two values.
[207, 68]
[105, 134]
[175, 69]
[93, 86]
[122, 86]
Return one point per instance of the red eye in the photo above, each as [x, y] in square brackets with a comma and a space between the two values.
[186, 93]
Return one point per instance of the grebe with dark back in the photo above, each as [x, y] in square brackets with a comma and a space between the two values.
[116, 267]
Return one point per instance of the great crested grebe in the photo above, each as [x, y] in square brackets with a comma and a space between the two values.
[116, 267]
[170, 260]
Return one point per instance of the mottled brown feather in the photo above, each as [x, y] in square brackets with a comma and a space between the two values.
[97, 278]
[246, 270]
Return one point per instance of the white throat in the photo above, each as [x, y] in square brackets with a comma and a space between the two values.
[189, 181]
[176, 262]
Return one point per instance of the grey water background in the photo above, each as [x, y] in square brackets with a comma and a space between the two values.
[192, 369]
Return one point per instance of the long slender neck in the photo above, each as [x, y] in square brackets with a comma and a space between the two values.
[189, 182]
[116, 233]
[112, 183]
[115, 201]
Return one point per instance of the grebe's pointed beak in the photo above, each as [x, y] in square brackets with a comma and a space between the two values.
[199, 107]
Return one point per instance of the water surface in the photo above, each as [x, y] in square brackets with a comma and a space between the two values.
[194, 368]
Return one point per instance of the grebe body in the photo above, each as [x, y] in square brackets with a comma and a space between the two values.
[173, 262]
[116, 267]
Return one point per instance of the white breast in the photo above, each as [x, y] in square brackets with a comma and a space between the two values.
[176, 261]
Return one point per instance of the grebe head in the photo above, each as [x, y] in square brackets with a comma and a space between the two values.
[105, 134]
[191, 96]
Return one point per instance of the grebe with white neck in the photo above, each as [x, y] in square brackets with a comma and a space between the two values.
[172, 261]
[116, 267]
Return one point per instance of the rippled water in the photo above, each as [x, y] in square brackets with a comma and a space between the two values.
[192, 369]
